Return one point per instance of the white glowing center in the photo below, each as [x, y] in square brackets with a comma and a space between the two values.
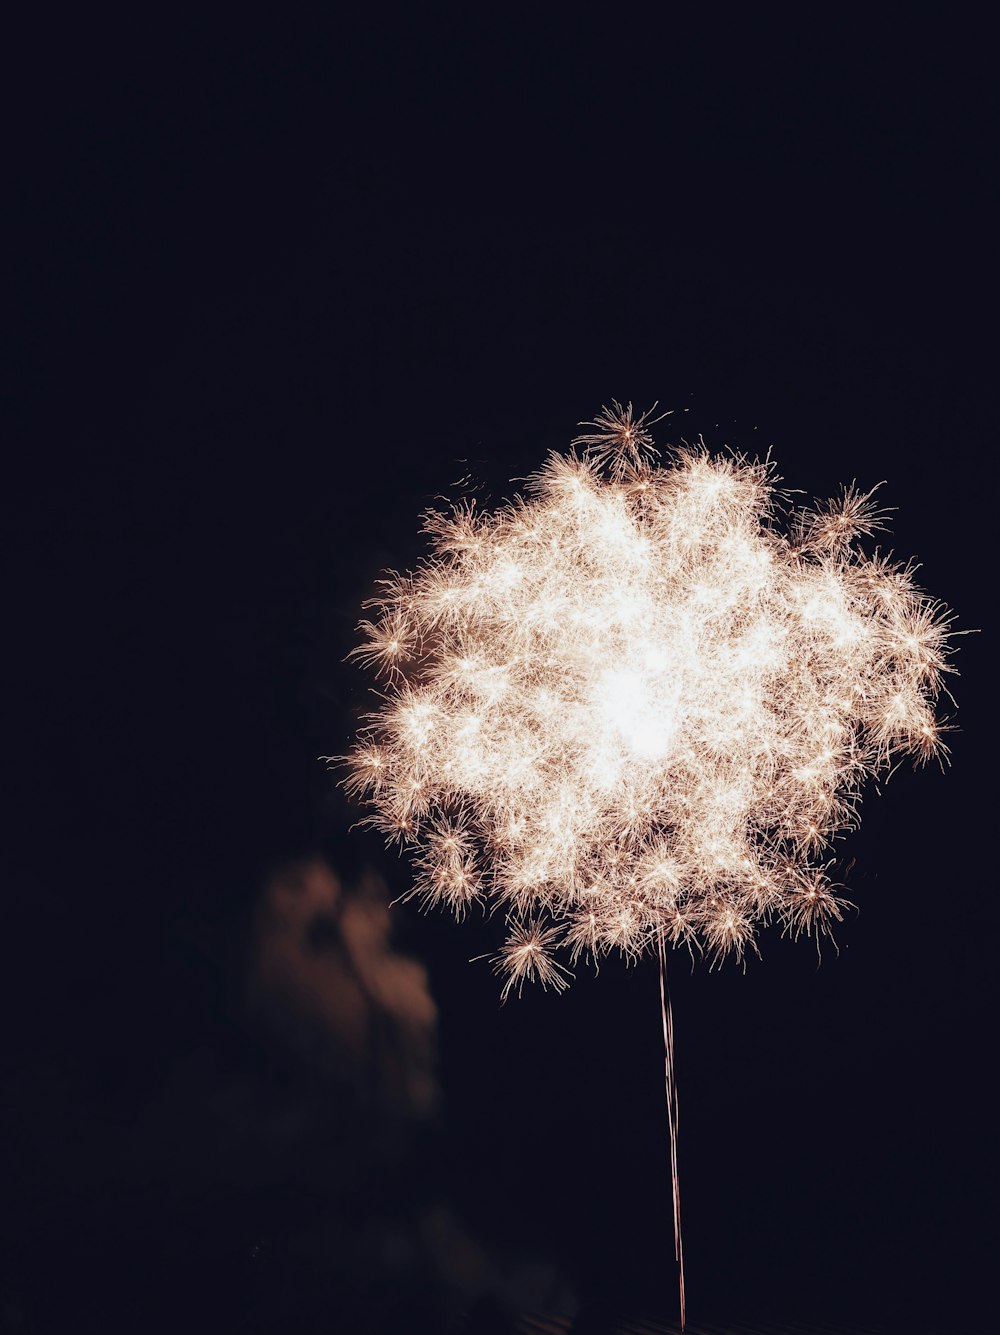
[640, 710]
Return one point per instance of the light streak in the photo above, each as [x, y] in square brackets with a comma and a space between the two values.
[673, 1122]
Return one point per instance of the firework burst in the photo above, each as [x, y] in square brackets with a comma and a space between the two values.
[638, 704]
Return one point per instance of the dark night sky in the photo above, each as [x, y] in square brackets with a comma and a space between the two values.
[274, 291]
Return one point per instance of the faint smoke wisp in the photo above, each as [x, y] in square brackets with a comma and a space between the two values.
[325, 972]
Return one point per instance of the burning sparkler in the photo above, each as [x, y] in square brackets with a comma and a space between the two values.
[635, 706]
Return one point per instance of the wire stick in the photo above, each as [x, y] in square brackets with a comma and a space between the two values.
[673, 1119]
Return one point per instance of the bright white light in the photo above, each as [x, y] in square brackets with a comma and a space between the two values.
[642, 717]
[639, 703]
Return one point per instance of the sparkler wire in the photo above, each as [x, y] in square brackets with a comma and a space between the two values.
[673, 1119]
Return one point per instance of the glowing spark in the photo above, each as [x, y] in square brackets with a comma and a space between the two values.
[620, 439]
[525, 957]
[637, 705]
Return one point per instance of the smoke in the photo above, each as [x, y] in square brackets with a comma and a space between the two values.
[325, 973]
[326, 981]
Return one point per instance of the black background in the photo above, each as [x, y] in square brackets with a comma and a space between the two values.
[276, 288]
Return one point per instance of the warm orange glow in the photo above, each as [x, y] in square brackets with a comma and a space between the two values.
[637, 705]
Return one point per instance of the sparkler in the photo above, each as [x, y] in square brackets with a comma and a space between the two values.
[634, 707]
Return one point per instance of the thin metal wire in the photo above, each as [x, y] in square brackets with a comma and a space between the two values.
[672, 1119]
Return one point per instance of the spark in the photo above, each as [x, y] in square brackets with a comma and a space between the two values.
[620, 440]
[525, 957]
[639, 703]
